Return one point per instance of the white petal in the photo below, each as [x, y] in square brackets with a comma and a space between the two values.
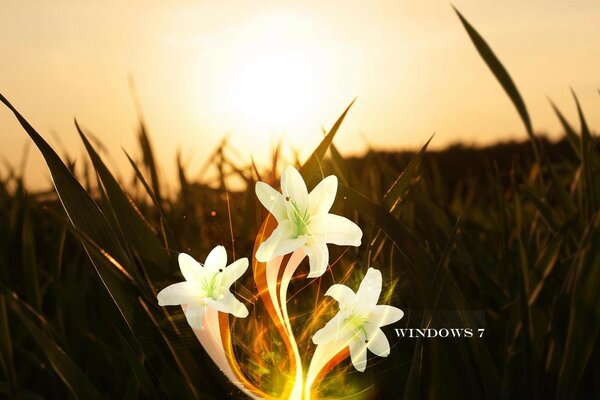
[333, 330]
[227, 303]
[216, 259]
[233, 272]
[342, 294]
[384, 315]
[335, 229]
[378, 344]
[194, 314]
[321, 198]
[190, 268]
[272, 200]
[369, 289]
[358, 354]
[282, 241]
[293, 188]
[176, 294]
[318, 257]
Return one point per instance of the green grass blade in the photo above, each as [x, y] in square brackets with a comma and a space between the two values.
[589, 162]
[63, 365]
[547, 263]
[168, 240]
[312, 167]
[441, 271]
[584, 314]
[572, 137]
[397, 191]
[523, 297]
[149, 160]
[135, 228]
[412, 389]
[339, 166]
[502, 76]
[389, 224]
[80, 207]
[137, 368]
[6, 346]
[30, 264]
[542, 206]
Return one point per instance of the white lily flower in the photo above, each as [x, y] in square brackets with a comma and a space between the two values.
[206, 286]
[304, 220]
[358, 322]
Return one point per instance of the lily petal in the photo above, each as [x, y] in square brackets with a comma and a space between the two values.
[176, 294]
[384, 315]
[233, 272]
[321, 198]
[370, 288]
[318, 256]
[272, 200]
[342, 294]
[333, 330]
[379, 344]
[282, 241]
[227, 303]
[194, 314]
[293, 188]
[190, 268]
[335, 229]
[358, 354]
[216, 259]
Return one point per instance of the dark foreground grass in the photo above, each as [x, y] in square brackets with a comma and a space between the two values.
[504, 238]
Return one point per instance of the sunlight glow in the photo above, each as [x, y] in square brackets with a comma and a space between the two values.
[269, 79]
[272, 90]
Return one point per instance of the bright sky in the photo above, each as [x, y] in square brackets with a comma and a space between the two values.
[260, 70]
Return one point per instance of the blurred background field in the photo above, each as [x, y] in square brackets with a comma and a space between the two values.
[505, 236]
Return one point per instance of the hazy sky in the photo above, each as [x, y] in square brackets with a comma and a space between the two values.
[257, 69]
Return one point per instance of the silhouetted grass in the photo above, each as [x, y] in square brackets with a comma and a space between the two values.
[504, 238]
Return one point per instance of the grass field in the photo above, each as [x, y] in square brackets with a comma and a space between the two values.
[504, 238]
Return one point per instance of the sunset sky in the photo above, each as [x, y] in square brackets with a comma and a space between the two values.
[262, 70]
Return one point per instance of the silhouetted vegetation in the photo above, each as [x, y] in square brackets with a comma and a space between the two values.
[504, 238]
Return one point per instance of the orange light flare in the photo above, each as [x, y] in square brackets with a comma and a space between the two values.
[259, 271]
[323, 306]
[263, 350]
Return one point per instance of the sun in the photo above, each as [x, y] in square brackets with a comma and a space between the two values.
[273, 90]
[270, 78]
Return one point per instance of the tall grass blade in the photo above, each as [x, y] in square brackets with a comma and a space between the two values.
[149, 160]
[167, 235]
[584, 314]
[589, 162]
[572, 137]
[312, 167]
[135, 228]
[6, 346]
[503, 78]
[80, 207]
[398, 189]
[63, 365]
